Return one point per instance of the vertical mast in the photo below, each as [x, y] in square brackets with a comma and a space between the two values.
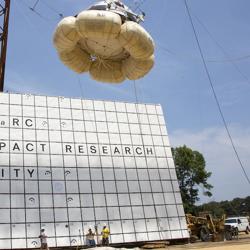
[4, 25]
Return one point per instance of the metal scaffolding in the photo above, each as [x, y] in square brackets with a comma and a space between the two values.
[4, 25]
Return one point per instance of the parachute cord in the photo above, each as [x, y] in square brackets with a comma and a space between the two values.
[136, 94]
[103, 62]
[113, 54]
[80, 86]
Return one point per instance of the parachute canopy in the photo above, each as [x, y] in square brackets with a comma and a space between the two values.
[107, 41]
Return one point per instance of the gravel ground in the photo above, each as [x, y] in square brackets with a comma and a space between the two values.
[243, 243]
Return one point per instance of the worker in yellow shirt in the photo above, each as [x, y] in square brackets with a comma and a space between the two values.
[105, 236]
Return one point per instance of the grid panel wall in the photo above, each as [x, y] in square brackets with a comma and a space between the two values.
[70, 164]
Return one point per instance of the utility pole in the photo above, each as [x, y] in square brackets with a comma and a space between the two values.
[4, 26]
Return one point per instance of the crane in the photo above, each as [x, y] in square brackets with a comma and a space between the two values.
[4, 25]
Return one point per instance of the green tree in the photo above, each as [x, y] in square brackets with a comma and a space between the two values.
[192, 176]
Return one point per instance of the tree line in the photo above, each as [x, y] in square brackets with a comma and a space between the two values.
[235, 207]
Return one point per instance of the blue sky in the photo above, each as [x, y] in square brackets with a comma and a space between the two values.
[178, 81]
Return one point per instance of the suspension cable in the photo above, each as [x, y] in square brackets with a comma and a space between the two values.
[215, 95]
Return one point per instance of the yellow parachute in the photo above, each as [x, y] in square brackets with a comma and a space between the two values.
[107, 41]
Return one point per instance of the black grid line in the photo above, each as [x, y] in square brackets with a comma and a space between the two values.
[52, 188]
[143, 209]
[77, 173]
[65, 183]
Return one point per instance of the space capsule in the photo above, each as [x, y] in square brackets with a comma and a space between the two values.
[107, 41]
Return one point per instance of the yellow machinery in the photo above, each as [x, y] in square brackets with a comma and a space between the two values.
[206, 228]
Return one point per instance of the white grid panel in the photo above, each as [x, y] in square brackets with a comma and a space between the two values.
[70, 164]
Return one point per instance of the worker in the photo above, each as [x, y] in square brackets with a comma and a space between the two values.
[43, 238]
[105, 235]
[90, 240]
